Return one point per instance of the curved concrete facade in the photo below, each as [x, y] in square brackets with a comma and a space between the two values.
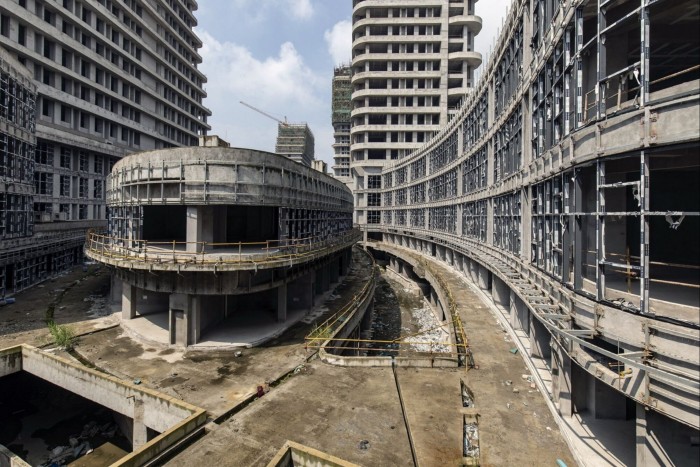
[566, 190]
[204, 234]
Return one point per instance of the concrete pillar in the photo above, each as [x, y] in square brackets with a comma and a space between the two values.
[566, 406]
[484, 279]
[520, 315]
[200, 227]
[500, 292]
[194, 319]
[180, 320]
[129, 298]
[539, 340]
[318, 282]
[325, 278]
[115, 289]
[334, 271]
[140, 432]
[282, 303]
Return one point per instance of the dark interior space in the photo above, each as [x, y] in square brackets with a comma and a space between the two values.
[674, 250]
[674, 43]
[34, 412]
[251, 224]
[164, 223]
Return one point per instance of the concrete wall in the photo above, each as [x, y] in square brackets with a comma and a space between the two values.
[10, 459]
[10, 361]
[160, 412]
[298, 455]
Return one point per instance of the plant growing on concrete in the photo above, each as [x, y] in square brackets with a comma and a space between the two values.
[62, 335]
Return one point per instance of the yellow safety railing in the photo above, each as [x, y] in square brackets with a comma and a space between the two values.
[327, 329]
[210, 253]
[323, 335]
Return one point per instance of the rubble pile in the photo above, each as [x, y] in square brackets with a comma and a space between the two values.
[79, 445]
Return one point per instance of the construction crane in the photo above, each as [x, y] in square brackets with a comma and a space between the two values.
[283, 123]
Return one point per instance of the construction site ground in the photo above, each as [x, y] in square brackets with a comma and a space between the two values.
[352, 413]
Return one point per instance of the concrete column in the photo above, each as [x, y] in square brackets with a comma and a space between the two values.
[194, 319]
[500, 292]
[179, 311]
[129, 298]
[566, 407]
[484, 279]
[325, 278]
[539, 340]
[200, 227]
[115, 289]
[335, 270]
[140, 432]
[318, 282]
[282, 303]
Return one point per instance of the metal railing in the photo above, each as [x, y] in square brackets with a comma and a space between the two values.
[107, 247]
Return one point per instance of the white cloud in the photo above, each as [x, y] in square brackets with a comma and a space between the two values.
[258, 11]
[302, 9]
[282, 85]
[339, 41]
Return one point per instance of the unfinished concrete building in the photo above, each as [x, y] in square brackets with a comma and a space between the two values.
[220, 244]
[567, 189]
[111, 78]
[341, 107]
[296, 142]
[17, 144]
[412, 64]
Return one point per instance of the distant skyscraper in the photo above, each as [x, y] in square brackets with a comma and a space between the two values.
[295, 141]
[342, 107]
[412, 64]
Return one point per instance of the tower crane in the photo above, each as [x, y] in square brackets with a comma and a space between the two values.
[283, 123]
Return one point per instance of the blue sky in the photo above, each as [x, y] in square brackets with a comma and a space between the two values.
[278, 55]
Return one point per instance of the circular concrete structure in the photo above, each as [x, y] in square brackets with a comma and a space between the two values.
[203, 238]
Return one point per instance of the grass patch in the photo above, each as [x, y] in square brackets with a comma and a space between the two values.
[62, 335]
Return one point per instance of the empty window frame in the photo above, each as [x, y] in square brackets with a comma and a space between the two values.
[444, 153]
[443, 186]
[475, 123]
[507, 222]
[508, 147]
[550, 230]
[507, 73]
[400, 197]
[417, 218]
[373, 217]
[417, 193]
[475, 171]
[418, 168]
[475, 220]
[374, 182]
[443, 218]
[400, 217]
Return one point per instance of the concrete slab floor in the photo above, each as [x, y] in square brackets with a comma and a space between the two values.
[77, 298]
[328, 408]
[215, 380]
[515, 428]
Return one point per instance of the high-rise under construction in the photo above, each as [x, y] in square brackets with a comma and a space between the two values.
[111, 78]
